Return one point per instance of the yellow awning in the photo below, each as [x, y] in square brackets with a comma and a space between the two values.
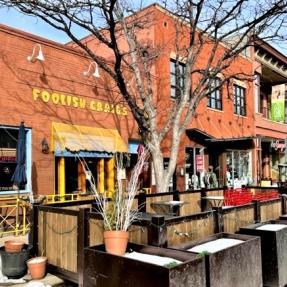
[81, 138]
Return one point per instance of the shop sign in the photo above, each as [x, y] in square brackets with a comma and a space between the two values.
[7, 159]
[278, 103]
[277, 145]
[199, 160]
[72, 101]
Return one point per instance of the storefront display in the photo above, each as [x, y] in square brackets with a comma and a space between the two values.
[238, 168]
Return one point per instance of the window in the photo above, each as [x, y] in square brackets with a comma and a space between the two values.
[239, 168]
[8, 143]
[215, 97]
[176, 82]
[257, 93]
[239, 101]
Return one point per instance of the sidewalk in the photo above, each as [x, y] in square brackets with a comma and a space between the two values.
[49, 280]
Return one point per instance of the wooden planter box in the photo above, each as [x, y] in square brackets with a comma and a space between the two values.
[237, 266]
[106, 270]
[274, 252]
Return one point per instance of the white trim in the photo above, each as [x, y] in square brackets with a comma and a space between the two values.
[239, 83]
[173, 56]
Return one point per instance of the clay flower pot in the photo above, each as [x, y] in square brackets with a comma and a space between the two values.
[37, 267]
[116, 241]
[13, 245]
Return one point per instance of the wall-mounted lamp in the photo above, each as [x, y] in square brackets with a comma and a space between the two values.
[96, 73]
[45, 146]
[36, 56]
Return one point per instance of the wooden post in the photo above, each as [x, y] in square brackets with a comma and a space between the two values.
[257, 211]
[203, 202]
[33, 234]
[283, 204]
[82, 238]
[218, 220]
[101, 175]
[176, 195]
[176, 209]
[82, 187]
[110, 171]
[61, 178]
[157, 232]
[142, 202]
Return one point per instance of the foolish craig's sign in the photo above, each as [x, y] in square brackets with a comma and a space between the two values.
[72, 101]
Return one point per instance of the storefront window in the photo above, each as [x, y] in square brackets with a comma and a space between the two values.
[277, 157]
[8, 143]
[239, 168]
[194, 165]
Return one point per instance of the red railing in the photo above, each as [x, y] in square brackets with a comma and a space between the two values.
[234, 197]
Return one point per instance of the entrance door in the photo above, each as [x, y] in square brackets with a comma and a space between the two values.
[194, 164]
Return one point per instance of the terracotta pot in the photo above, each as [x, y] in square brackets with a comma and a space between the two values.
[37, 267]
[116, 241]
[13, 245]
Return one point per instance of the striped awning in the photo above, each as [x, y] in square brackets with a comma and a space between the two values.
[76, 138]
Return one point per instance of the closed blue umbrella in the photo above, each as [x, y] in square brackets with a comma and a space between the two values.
[19, 177]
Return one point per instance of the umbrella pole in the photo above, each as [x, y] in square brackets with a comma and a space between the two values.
[17, 212]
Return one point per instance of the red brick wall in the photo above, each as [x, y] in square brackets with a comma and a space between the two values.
[62, 71]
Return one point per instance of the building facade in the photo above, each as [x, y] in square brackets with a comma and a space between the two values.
[67, 115]
[72, 111]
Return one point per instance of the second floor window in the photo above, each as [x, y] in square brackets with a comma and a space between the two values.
[239, 101]
[215, 98]
[176, 81]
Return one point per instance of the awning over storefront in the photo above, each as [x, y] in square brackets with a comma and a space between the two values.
[230, 139]
[198, 136]
[74, 138]
[232, 143]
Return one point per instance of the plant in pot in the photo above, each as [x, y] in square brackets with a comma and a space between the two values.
[117, 213]
[37, 267]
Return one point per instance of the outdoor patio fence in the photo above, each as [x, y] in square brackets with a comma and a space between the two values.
[61, 231]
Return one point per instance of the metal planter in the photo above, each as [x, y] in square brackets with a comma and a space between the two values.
[236, 266]
[273, 249]
[106, 270]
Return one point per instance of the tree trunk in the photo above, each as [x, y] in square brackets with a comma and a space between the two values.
[161, 178]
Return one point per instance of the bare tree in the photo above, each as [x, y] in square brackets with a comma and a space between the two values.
[227, 28]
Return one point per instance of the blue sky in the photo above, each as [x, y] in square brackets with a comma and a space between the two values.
[33, 25]
[38, 27]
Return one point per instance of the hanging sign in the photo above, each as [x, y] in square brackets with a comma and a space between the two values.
[278, 103]
[199, 160]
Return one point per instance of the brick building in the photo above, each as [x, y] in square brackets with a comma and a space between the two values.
[83, 115]
[61, 107]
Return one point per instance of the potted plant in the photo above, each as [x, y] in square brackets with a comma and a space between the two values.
[14, 262]
[14, 245]
[37, 267]
[117, 213]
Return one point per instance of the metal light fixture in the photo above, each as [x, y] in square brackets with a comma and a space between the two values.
[45, 146]
[95, 74]
[36, 56]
